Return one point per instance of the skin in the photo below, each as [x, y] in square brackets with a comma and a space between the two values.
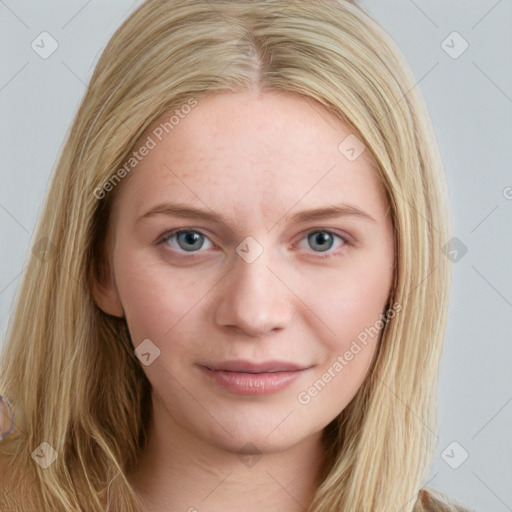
[256, 159]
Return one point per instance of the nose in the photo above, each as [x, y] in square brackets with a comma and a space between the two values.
[253, 300]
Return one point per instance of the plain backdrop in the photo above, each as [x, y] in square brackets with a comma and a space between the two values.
[461, 54]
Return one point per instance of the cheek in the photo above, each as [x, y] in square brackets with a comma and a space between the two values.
[158, 300]
[351, 304]
[359, 307]
[355, 315]
[351, 301]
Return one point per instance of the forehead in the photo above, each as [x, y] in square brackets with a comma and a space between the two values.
[251, 151]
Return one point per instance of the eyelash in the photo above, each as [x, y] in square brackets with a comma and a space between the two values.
[322, 255]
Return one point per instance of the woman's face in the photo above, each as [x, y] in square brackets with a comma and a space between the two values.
[258, 322]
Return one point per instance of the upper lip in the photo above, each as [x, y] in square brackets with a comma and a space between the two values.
[251, 367]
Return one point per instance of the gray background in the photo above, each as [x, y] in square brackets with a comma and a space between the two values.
[469, 97]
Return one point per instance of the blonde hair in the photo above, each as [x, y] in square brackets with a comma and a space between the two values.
[69, 370]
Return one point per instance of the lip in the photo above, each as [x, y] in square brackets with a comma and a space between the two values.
[248, 378]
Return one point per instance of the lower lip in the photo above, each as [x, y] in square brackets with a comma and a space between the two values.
[253, 383]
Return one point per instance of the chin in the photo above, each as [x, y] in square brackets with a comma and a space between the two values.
[259, 435]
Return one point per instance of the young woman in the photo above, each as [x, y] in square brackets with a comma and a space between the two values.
[237, 295]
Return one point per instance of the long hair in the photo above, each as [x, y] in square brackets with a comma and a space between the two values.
[68, 369]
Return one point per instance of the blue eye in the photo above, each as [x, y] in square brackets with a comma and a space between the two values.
[322, 241]
[188, 240]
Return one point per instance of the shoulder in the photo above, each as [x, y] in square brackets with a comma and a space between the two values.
[431, 500]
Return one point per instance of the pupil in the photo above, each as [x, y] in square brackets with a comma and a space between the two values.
[193, 239]
[320, 238]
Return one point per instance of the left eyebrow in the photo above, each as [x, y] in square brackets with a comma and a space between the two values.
[342, 210]
[190, 212]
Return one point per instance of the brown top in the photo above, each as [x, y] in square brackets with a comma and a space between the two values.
[431, 500]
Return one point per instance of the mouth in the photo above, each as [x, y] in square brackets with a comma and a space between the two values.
[248, 378]
[241, 366]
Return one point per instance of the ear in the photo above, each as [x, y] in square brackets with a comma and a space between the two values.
[105, 293]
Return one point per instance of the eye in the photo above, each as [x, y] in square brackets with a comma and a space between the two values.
[323, 240]
[186, 239]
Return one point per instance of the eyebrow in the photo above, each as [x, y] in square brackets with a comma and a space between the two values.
[190, 212]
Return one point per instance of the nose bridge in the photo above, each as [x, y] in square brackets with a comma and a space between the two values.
[253, 299]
